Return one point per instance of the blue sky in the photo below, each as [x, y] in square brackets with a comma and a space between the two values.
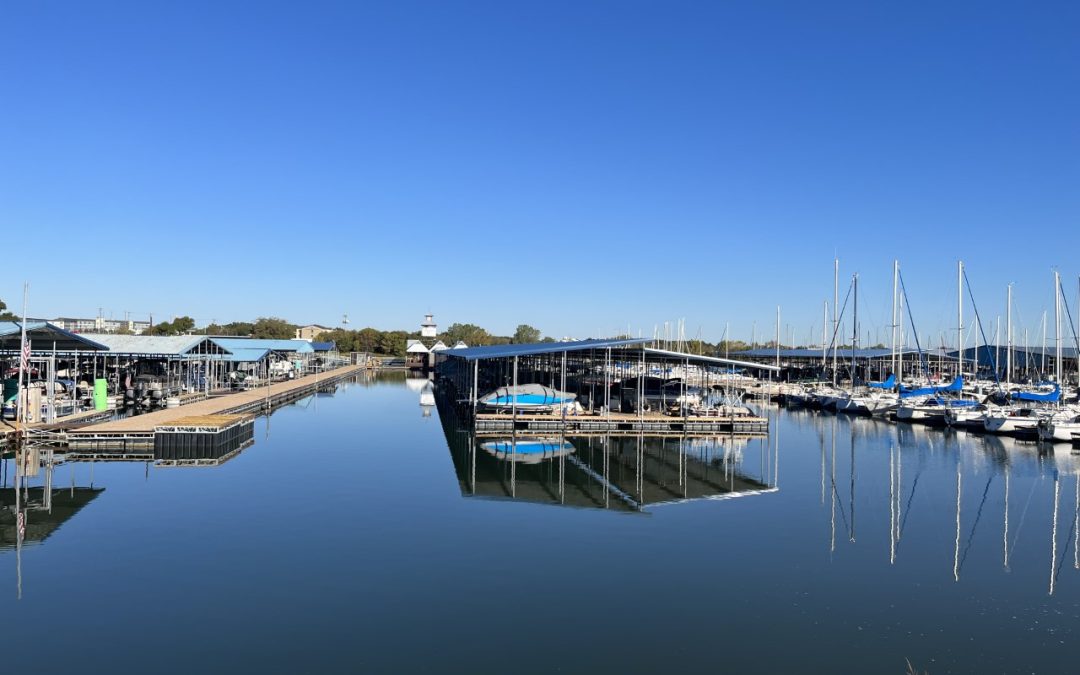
[581, 166]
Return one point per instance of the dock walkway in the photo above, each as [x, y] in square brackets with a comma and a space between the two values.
[138, 430]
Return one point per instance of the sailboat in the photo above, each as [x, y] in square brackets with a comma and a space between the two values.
[1026, 410]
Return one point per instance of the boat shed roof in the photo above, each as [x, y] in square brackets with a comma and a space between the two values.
[244, 355]
[507, 351]
[156, 345]
[815, 353]
[42, 335]
[696, 358]
[299, 346]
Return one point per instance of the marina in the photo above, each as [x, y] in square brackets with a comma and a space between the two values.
[757, 351]
[905, 540]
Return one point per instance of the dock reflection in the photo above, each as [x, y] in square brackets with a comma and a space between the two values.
[626, 473]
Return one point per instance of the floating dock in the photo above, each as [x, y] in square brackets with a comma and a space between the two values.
[206, 439]
[139, 432]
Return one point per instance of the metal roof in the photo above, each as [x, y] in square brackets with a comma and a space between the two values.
[43, 335]
[243, 355]
[158, 345]
[324, 346]
[506, 351]
[695, 358]
[812, 353]
[300, 346]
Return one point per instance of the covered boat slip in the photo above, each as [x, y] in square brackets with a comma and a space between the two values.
[609, 382]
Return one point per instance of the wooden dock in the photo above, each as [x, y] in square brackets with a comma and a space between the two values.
[138, 431]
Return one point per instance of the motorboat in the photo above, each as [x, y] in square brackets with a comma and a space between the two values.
[526, 397]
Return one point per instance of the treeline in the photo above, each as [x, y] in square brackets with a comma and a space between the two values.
[267, 328]
[392, 342]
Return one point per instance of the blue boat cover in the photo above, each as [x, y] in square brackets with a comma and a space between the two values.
[1048, 397]
[956, 385]
[889, 383]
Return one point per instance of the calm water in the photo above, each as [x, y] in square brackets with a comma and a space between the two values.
[353, 537]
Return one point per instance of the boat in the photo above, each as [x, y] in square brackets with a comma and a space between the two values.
[528, 450]
[526, 397]
[969, 415]
[926, 410]
[1012, 420]
[875, 403]
[1059, 427]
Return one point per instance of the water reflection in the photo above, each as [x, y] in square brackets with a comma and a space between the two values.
[625, 473]
[973, 480]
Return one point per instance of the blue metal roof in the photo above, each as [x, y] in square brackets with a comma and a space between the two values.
[324, 346]
[299, 346]
[531, 349]
[243, 355]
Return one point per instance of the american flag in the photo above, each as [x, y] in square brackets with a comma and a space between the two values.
[24, 363]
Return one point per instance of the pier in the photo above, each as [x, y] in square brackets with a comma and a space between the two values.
[138, 432]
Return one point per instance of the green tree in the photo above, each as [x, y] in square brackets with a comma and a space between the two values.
[470, 334]
[367, 339]
[163, 328]
[272, 328]
[6, 315]
[183, 324]
[526, 334]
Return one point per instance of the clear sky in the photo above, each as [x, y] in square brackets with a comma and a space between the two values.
[581, 166]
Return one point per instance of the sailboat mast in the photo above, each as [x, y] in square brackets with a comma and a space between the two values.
[900, 343]
[895, 273]
[1008, 337]
[835, 318]
[854, 323]
[1057, 327]
[960, 318]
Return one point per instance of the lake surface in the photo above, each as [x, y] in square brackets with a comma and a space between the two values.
[359, 535]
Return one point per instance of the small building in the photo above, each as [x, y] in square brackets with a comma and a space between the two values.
[311, 332]
[416, 355]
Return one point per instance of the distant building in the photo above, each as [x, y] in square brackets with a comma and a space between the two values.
[418, 356]
[101, 325]
[311, 332]
[428, 329]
